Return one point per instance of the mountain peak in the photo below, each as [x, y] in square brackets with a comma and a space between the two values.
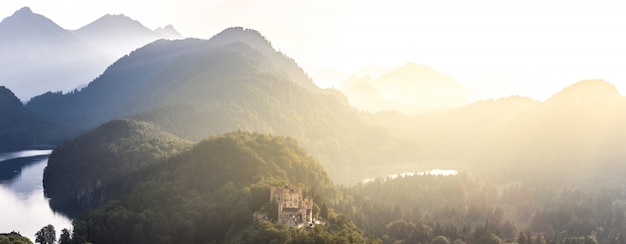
[588, 90]
[168, 31]
[22, 15]
[25, 21]
[419, 75]
[116, 17]
[23, 10]
[255, 40]
[112, 21]
[251, 37]
[8, 99]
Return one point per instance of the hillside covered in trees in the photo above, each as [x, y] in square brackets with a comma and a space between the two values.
[152, 188]
[99, 165]
[20, 128]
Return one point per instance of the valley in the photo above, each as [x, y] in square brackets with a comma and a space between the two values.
[165, 139]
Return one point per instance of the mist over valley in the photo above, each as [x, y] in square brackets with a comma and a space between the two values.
[117, 133]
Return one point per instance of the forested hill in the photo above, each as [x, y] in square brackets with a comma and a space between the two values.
[210, 192]
[100, 165]
[233, 81]
[19, 128]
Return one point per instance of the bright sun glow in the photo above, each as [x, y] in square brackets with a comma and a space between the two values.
[531, 48]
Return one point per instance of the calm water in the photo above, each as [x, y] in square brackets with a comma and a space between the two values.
[23, 207]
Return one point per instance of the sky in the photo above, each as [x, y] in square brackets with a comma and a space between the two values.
[498, 48]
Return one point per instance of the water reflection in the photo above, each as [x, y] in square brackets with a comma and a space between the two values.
[12, 168]
[23, 207]
[24, 154]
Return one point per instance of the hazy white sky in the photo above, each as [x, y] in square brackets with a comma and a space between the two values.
[530, 47]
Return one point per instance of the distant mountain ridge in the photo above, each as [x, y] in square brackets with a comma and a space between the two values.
[579, 127]
[168, 31]
[117, 35]
[411, 88]
[37, 55]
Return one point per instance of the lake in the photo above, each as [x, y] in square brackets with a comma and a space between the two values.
[23, 207]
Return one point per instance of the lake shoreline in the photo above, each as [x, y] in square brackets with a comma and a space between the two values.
[25, 208]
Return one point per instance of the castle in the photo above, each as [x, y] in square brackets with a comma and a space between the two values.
[293, 210]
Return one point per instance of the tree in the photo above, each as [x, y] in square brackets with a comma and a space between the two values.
[324, 211]
[65, 237]
[521, 239]
[440, 240]
[46, 235]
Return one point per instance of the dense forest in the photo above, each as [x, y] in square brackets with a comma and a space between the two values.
[465, 209]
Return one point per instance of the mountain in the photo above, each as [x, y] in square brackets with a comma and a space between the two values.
[577, 135]
[37, 55]
[577, 132]
[362, 94]
[252, 38]
[233, 81]
[420, 85]
[417, 76]
[168, 32]
[411, 89]
[117, 35]
[202, 195]
[454, 138]
[19, 128]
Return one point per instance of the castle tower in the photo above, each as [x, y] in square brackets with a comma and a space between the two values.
[293, 209]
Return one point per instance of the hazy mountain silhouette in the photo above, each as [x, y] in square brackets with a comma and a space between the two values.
[420, 85]
[576, 130]
[233, 81]
[168, 32]
[411, 89]
[363, 95]
[457, 134]
[36, 55]
[117, 35]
